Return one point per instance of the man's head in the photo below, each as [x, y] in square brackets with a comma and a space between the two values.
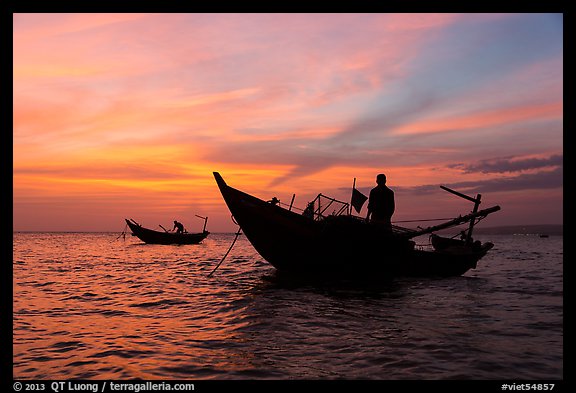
[381, 179]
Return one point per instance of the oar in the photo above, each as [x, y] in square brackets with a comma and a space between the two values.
[162, 228]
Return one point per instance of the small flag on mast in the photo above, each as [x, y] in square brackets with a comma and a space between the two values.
[357, 200]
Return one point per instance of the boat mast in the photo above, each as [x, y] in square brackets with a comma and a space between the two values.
[473, 221]
[292, 202]
[474, 211]
[351, 197]
[452, 223]
[205, 221]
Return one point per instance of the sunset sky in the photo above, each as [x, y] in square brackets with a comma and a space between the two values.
[127, 115]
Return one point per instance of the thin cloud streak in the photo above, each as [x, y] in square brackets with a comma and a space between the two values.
[537, 181]
[510, 164]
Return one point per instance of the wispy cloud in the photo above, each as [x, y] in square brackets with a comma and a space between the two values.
[542, 180]
[510, 164]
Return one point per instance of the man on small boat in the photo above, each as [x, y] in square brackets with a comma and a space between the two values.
[381, 204]
[178, 227]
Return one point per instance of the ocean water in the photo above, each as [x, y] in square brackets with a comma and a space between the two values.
[95, 306]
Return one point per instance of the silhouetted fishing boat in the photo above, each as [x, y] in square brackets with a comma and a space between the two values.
[151, 236]
[342, 243]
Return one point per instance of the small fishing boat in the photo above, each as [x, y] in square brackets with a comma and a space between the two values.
[314, 242]
[151, 236]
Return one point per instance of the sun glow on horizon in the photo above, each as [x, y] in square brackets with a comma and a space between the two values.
[114, 118]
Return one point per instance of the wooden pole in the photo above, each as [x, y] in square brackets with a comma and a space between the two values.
[454, 222]
[350, 207]
[476, 204]
[459, 194]
[291, 202]
[205, 221]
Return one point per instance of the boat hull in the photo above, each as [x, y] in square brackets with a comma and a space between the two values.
[343, 245]
[156, 237]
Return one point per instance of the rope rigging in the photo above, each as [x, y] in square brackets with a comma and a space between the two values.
[238, 233]
[123, 234]
[280, 203]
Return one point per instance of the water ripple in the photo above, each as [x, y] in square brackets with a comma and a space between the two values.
[88, 306]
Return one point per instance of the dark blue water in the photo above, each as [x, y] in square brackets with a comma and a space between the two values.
[92, 306]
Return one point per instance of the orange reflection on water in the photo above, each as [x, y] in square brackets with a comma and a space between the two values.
[113, 309]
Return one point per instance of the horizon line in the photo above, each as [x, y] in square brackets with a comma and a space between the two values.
[232, 232]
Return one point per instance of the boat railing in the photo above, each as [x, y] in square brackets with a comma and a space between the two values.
[321, 205]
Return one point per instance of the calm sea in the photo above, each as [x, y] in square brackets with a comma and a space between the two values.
[95, 306]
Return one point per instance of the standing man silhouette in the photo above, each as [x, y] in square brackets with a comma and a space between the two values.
[381, 204]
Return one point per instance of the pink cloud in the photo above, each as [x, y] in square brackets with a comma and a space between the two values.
[484, 119]
[33, 26]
